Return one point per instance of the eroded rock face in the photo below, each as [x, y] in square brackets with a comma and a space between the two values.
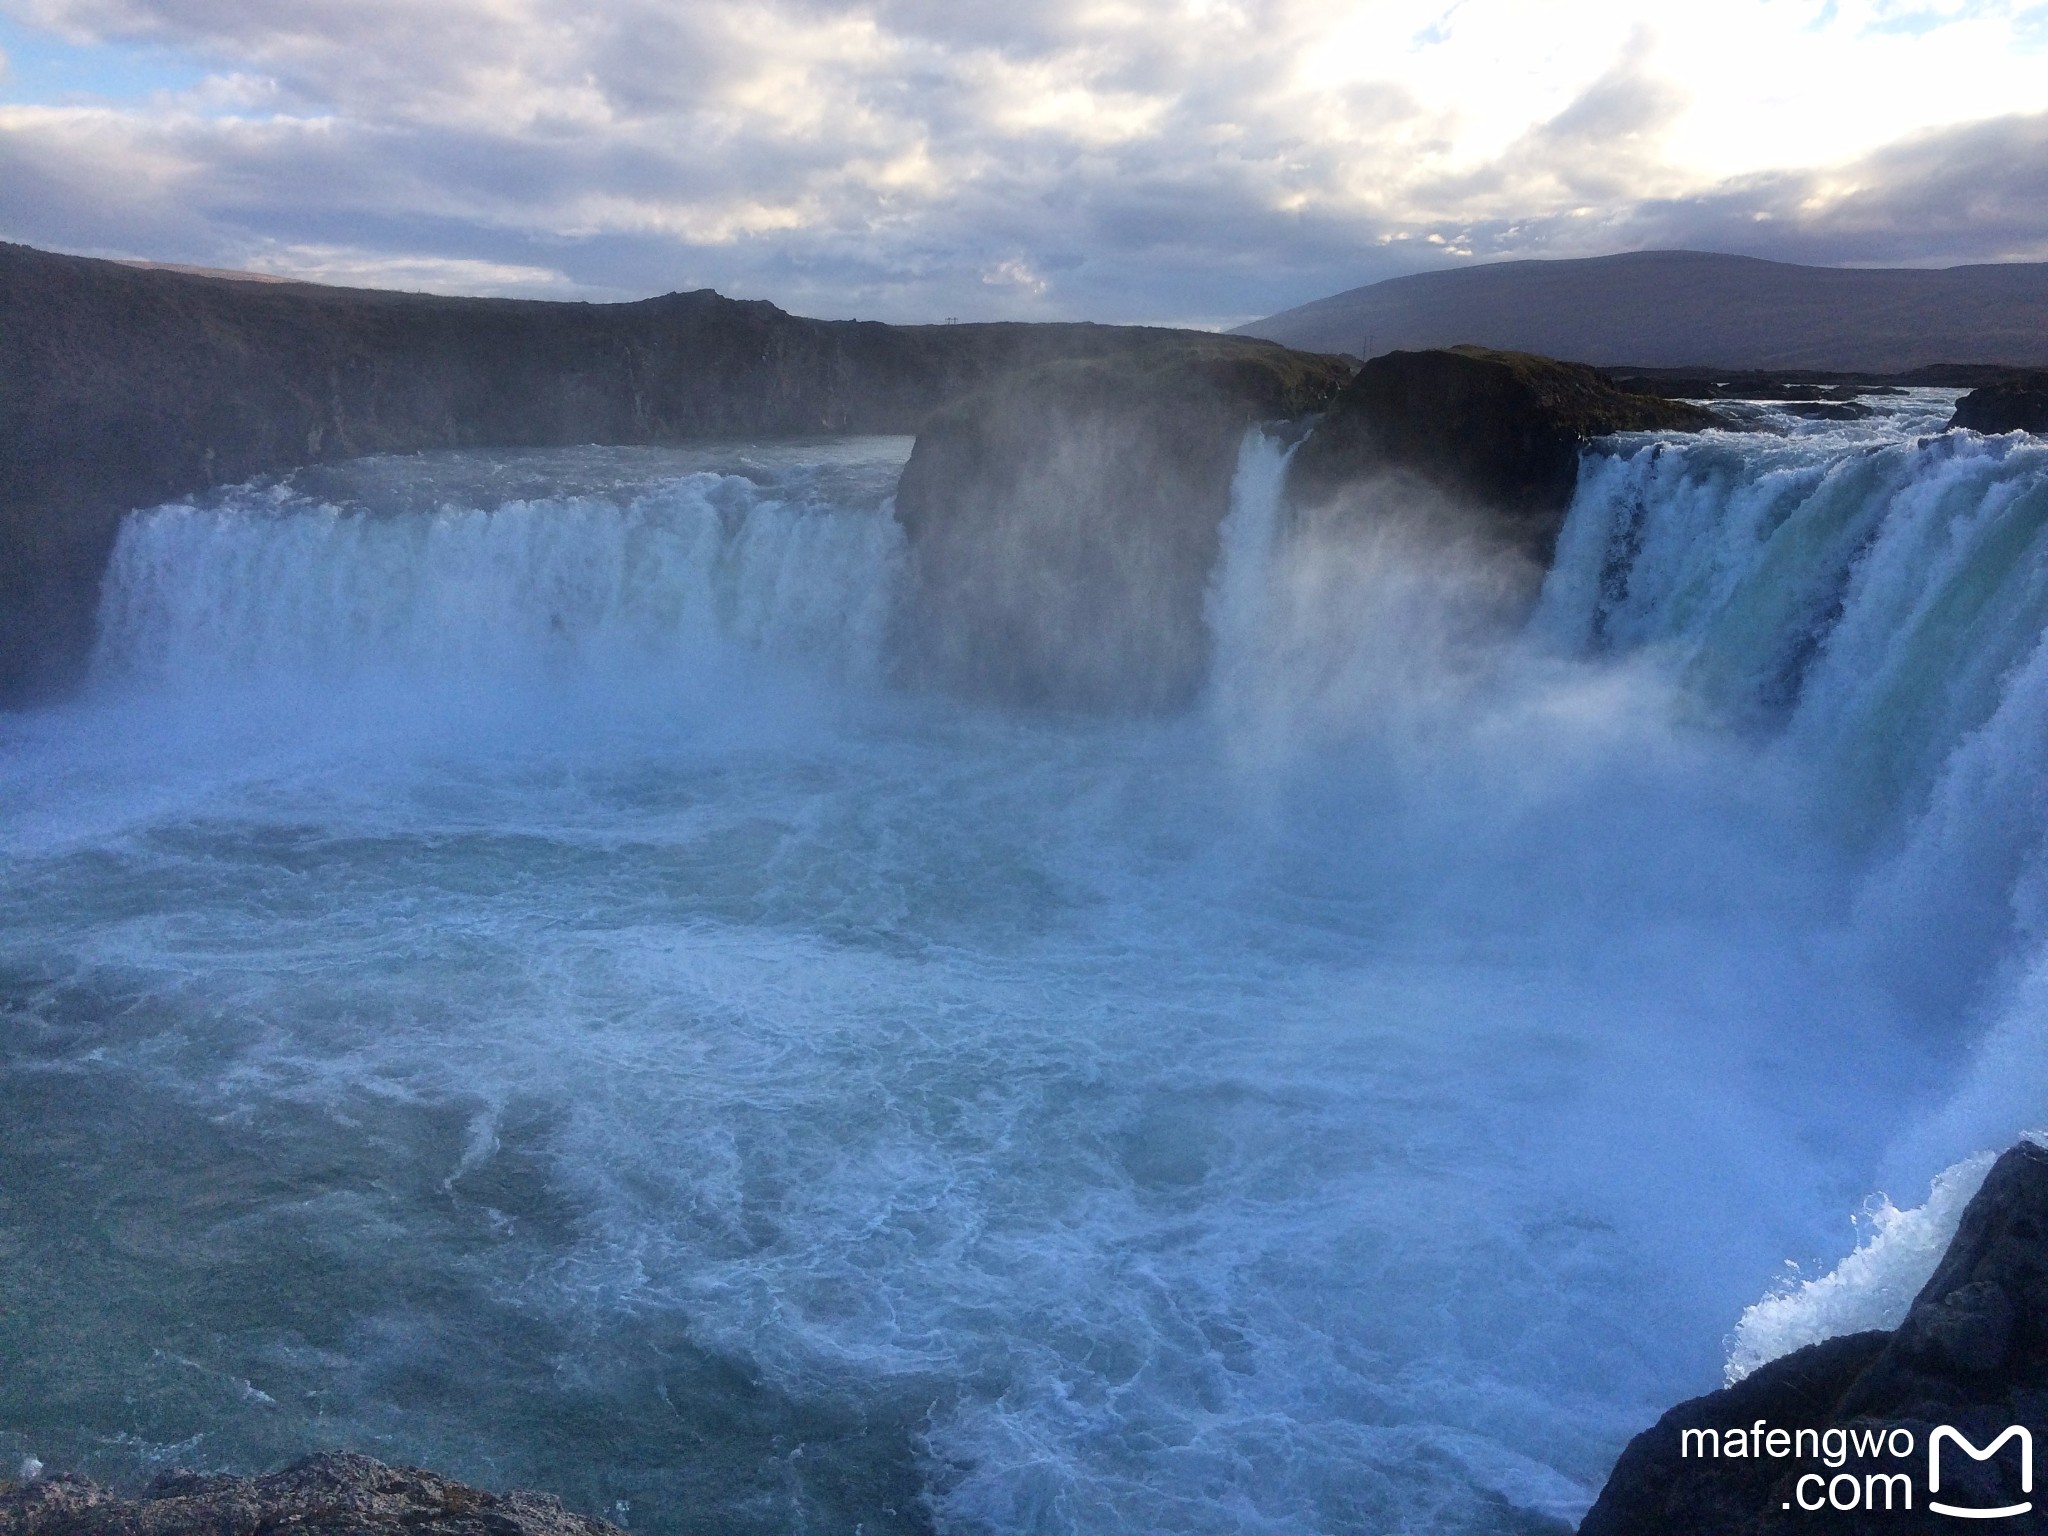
[326, 1495]
[1972, 1353]
[1498, 431]
[1064, 521]
[2012, 405]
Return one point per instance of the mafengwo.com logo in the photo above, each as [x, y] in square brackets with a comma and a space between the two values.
[1873, 1469]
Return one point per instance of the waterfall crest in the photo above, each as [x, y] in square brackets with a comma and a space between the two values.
[1872, 606]
[271, 587]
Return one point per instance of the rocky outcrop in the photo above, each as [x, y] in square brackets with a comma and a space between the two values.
[1972, 1354]
[2018, 404]
[1497, 431]
[327, 1495]
[1063, 522]
[123, 387]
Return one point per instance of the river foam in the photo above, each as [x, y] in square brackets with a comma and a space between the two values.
[499, 979]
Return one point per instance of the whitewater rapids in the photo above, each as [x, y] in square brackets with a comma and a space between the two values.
[496, 977]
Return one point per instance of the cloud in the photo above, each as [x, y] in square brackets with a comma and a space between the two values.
[419, 274]
[1179, 160]
[1977, 193]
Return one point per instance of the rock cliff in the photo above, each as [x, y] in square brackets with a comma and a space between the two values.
[124, 387]
[2016, 404]
[1063, 521]
[1498, 431]
[1972, 1353]
[328, 1495]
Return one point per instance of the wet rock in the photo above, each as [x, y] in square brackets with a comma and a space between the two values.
[1969, 1331]
[1499, 431]
[1063, 522]
[2017, 404]
[1654, 1491]
[325, 1495]
[1972, 1354]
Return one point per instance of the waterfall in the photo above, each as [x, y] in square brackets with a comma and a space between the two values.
[1878, 614]
[1236, 603]
[275, 588]
[1876, 617]
[1870, 605]
[1365, 1102]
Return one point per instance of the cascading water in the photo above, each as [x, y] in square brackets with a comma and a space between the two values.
[1236, 601]
[1877, 605]
[1871, 598]
[644, 581]
[495, 979]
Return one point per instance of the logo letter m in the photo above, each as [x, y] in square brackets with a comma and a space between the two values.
[1945, 1432]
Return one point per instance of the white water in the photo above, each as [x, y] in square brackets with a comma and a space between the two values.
[495, 978]
[1876, 608]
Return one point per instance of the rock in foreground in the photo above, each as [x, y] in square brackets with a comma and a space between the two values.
[1498, 431]
[326, 1494]
[1972, 1354]
[2017, 404]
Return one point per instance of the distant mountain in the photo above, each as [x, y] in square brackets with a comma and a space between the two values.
[1664, 309]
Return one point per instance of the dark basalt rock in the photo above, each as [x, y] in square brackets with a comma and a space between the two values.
[2018, 404]
[327, 1495]
[1500, 431]
[1063, 522]
[1972, 1353]
[122, 388]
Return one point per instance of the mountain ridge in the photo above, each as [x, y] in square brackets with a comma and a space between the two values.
[1704, 309]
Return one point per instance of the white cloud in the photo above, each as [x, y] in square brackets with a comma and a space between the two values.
[1107, 158]
[419, 274]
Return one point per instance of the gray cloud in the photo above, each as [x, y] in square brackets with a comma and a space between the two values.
[905, 159]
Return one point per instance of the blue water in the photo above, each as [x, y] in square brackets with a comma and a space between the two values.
[497, 976]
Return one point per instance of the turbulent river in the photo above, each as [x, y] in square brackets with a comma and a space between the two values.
[495, 976]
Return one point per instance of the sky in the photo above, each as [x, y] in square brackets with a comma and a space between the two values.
[1197, 162]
